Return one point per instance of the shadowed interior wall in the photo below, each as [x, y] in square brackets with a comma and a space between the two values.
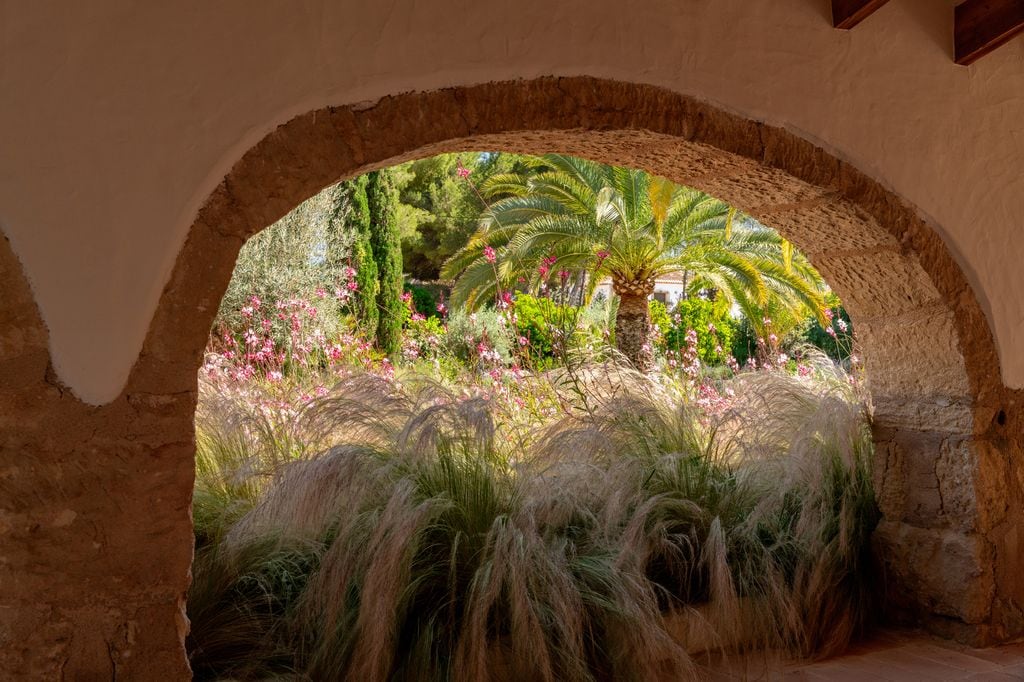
[96, 532]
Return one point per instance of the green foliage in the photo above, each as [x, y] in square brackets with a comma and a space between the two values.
[804, 330]
[429, 335]
[569, 215]
[467, 330]
[713, 323]
[424, 298]
[660, 319]
[744, 342]
[540, 321]
[362, 254]
[552, 330]
[812, 331]
[439, 210]
[387, 252]
[304, 250]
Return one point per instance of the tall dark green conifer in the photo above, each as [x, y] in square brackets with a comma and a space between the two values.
[387, 251]
[363, 260]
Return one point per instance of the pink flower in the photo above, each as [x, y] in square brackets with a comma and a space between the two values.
[320, 292]
[550, 260]
[828, 313]
[274, 376]
[256, 302]
[442, 308]
[462, 171]
[523, 341]
[841, 323]
[406, 296]
[543, 270]
[489, 254]
[417, 317]
[352, 285]
[601, 255]
[563, 275]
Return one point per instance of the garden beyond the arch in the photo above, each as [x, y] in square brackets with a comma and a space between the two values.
[484, 404]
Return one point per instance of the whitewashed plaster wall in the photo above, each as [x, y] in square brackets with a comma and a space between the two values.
[118, 118]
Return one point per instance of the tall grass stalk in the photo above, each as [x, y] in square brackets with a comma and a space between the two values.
[410, 536]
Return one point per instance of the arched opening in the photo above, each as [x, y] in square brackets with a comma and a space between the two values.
[946, 433]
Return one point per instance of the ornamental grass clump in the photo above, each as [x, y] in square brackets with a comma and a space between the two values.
[419, 540]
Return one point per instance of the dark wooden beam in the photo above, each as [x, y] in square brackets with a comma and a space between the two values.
[981, 26]
[848, 13]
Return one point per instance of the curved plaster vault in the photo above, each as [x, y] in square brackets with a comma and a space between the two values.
[95, 484]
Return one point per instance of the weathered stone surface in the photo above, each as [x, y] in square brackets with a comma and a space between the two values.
[936, 413]
[943, 572]
[823, 226]
[878, 282]
[927, 479]
[915, 354]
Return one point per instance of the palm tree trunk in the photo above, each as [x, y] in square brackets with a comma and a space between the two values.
[633, 327]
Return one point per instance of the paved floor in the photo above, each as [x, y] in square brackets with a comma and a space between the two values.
[892, 656]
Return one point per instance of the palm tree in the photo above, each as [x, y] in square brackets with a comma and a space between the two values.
[567, 214]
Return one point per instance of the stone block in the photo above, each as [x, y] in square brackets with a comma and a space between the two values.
[914, 356]
[944, 572]
[877, 282]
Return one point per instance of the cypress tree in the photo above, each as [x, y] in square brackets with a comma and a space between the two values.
[387, 251]
[363, 260]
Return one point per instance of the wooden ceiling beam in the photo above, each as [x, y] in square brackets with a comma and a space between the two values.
[848, 13]
[980, 26]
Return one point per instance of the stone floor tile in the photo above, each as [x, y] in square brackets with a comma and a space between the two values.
[847, 673]
[867, 668]
[904, 658]
[958, 658]
[1010, 654]
[1017, 670]
[888, 657]
[994, 676]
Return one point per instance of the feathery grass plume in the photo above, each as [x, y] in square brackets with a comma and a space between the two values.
[430, 536]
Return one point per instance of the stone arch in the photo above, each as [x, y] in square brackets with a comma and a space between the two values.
[948, 433]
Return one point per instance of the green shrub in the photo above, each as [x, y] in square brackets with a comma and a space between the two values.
[366, 276]
[714, 325]
[304, 251]
[660, 320]
[466, 331]
[386, 241]
[837, 345]
[424, 298]
[550, 329]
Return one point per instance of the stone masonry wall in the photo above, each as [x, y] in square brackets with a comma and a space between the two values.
[95, 526]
